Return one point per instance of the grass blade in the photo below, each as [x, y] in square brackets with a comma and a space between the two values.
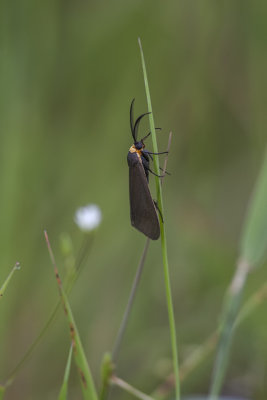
[162, 231]
[254, 237]
[130, 389]
[198, 355]
[87, 383]
[128, 309]
[5, 284]
[64, 387]
[70, 281]
[253, 249]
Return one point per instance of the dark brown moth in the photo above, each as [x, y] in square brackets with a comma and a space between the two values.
[143, 210]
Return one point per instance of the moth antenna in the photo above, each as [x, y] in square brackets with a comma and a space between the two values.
[136, 125]
[132, 118]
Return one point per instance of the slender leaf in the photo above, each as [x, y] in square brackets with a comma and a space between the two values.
[129, 305]
[71, 279]
[64, 387]
[254, 238]
[130, 389]
[87, 383]
[253, 250]
[5, 284]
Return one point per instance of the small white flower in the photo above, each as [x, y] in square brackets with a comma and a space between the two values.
[88, 218]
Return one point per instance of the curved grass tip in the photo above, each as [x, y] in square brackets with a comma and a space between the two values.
[17, 265]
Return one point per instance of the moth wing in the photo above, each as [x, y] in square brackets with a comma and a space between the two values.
[144, 216]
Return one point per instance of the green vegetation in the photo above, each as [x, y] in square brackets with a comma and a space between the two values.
[68, 72]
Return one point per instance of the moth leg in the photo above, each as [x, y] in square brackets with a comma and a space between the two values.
[153, 173]
[150, 156]
[145, 163]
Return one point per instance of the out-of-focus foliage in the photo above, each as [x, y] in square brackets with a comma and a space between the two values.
[64, 388]
[254, 243]
[68, 72]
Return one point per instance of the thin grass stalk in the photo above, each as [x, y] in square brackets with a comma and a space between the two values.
[128, 309]
[87, 383]
[130, 389]
[162, 231]
[205, 349]
[230, 312]
[64, 388]
[6, 282]
[166, 158]
[69, 285]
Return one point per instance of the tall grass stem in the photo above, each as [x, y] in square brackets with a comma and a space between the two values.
[162, 231]
[128, 309]
[230, 312]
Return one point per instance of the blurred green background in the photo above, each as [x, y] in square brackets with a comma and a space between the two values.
[69, 71]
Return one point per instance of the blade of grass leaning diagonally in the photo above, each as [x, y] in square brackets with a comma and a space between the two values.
[2, 291]
[107, 365]
[84, 251]
[130, 389]
[202, 351]
[162, 233]
[64, 388]
[87, 383]
[253, 249]
[6, 282]
[117, 345]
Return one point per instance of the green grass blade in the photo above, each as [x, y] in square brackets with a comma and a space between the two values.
[70, 281]
[64, 388]
[87, 383]
[201, 352]
[228, 319]
[253, 250]
[2, 392]
[107, 368]
[5, 284]
[254, 237]
[127, 312]
[130, 389]
[162, 232]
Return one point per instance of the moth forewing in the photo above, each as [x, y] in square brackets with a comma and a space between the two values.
[143, 212]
